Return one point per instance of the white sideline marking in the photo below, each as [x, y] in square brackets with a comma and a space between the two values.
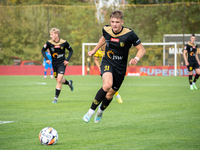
[40, 83]
[27, 83]
[2, 122]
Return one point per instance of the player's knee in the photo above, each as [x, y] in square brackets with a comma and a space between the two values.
[190, 73]
[198, 72]
[107, 86]
[59, 80]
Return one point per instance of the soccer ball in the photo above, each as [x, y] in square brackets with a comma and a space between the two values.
[48, 136]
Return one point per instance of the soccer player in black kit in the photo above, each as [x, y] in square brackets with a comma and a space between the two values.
[192, 62]
[57, 48]
[118, 41]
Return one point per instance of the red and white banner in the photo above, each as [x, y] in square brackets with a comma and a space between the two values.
[156, 71]
[77, 70]
[148, 71]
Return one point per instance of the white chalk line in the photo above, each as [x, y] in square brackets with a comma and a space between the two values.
[3, 122]
[36, 83]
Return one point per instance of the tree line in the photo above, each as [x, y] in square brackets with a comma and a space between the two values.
[84, 2]
[25, 29]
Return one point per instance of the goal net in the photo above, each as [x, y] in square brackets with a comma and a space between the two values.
[157, 54]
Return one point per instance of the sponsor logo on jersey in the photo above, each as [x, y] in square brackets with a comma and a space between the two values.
[57, 46]
[112, 56]
[192, 54]
[122, 44]
[114, 40]
[55, 55]
[62, 48]
[61, 55]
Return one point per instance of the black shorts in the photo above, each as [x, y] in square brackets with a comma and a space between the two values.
[192, 65]
[118, 77]
[59, 69]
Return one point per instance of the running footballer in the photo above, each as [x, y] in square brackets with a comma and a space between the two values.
[57, 47]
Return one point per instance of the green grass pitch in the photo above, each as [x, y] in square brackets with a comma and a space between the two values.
[158, 113]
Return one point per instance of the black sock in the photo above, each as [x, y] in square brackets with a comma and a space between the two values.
[196, 78]
[105, 103]
[98, 98]
[57, 93]
[190, 79]
[66, 82]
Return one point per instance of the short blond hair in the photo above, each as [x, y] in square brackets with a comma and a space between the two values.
[55, 30]
[117, 14]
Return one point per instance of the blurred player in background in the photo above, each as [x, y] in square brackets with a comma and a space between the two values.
[98, 56]
[57, 48]
[192, 62]
[118, 40]
[46, 65]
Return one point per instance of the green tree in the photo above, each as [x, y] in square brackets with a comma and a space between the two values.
[25, 29]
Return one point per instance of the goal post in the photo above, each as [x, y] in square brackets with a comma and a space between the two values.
[175, 53]
[87, 47]
[83, 55]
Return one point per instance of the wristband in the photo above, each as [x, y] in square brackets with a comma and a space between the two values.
[137, 58]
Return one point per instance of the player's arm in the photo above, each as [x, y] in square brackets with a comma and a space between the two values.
[96, 61]
[196, 56]
[69, 48]
[185, 57]
[139, 55]
[45, 47]
[101, 42]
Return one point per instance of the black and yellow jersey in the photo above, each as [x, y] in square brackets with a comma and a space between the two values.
[99, 53]
[118, 45]
[57, 51]
[191, 50]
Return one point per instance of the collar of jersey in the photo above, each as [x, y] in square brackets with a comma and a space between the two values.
[191, 44]
[118, 32]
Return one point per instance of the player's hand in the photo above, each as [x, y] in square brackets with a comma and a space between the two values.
[91, 53]
[187, 63]
[65, 63]
[133, 61]
[48, 62]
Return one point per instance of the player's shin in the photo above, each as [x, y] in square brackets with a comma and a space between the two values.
[196, 78]
[98, 98]
[190, 79]
[65, 81]
[105, 103]
[57, 93]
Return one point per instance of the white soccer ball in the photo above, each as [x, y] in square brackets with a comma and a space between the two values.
[48, 136]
